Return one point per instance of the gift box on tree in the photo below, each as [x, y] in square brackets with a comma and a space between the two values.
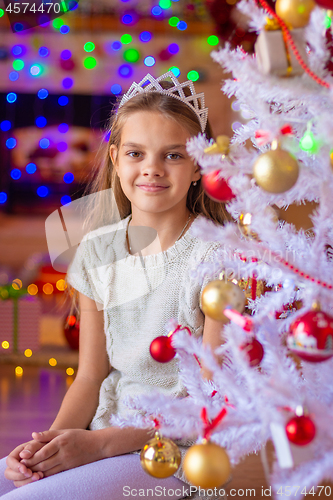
[20, 320]
[274, 55]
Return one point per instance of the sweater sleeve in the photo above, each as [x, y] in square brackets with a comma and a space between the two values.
[82, 273]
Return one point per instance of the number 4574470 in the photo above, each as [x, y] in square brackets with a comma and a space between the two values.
[287, 491]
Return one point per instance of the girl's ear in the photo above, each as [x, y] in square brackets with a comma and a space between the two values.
[113, 154]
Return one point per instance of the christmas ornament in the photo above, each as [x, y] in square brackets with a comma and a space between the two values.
[273, 53]
[244, 223]
[206, 464]
[311, 336]
[72, 332]
[218, 295]
[221, 146]
[161, 349]
[216, 187]
[296, 13]
[276, 171]
[254, 351]
[300, 430]
[160, 457]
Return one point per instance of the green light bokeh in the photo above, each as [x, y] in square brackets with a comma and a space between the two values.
[213, 40]
[89, 62]
[1, 12]
[18, 64]
[126, 39]
[57, 23]
[173, 21]
[165, 4]
[131, 55]
[89, 46]
[193, 75]
[308, 143]
[327, 22]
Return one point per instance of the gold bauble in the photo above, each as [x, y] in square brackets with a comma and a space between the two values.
[160, 457]
[218, 295]
[221, 146]
[276, 171]
[296, 13]
[206, 465]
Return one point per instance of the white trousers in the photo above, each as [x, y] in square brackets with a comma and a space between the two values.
[116, 478]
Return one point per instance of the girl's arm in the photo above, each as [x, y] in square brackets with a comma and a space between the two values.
[81, 400]
[68, 444]
[212, 335]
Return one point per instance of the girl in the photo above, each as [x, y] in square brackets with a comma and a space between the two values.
[125, 299]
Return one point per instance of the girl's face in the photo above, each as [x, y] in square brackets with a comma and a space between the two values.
[153, 166]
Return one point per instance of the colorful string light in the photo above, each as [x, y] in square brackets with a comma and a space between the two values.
[149, 61]
[15, 174]
[42, 93]
[145, 36]
[31, 168]
[11, 97]
[11, 143]
[116, 89]
[63, 100]
[41, 121]
[65, 200]
[213, 40]
[63, 128]
[42, 191]
[5, 125]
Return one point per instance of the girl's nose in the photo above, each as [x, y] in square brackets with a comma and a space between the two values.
[153, 166]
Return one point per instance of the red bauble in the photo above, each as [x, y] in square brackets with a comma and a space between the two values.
[216, 187]
[325, 4]
[254, 351]
[311, 336]
[72, 332]
[161, 349]
[301, 430]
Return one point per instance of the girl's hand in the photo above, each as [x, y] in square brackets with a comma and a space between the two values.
[17, 471]
[64, 449]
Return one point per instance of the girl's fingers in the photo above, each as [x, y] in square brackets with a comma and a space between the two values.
[41, 459]
[30, 449]
[17, 475]
[35, 477]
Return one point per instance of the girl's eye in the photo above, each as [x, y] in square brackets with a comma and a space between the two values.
[174, 156]
[134, 154]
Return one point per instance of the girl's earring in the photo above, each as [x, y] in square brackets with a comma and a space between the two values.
[194, 183]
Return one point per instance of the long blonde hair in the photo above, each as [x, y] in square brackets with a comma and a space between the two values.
[104, 176]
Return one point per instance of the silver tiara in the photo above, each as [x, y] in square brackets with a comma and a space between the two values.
[150, 84]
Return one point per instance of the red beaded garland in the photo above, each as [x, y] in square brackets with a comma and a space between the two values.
[301, 430]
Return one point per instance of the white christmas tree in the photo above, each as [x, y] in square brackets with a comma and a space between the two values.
[290, 125]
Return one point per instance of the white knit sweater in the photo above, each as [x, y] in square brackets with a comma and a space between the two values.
[139, 295]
